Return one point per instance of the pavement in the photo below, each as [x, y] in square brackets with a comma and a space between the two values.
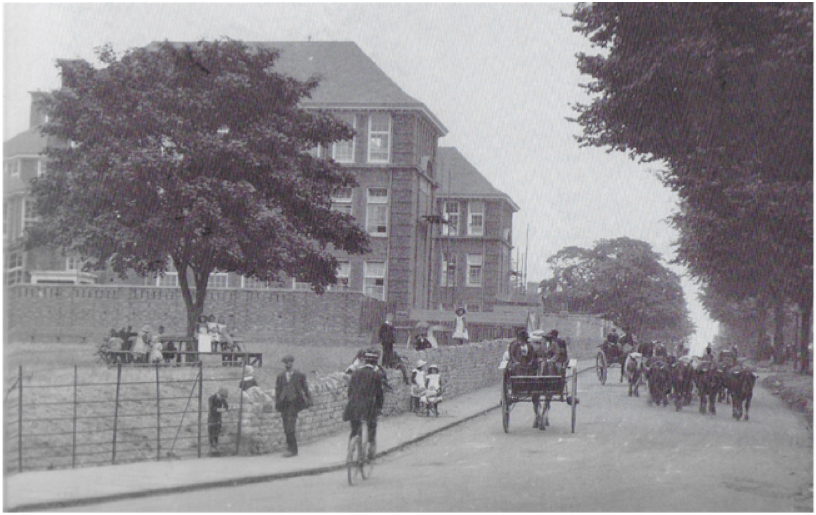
[53, 489]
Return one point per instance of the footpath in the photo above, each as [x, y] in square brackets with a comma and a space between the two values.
[53, 489]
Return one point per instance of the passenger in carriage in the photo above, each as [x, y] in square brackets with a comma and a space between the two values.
[523, 357]
[611, 342]
[627, 342]
[557, 352]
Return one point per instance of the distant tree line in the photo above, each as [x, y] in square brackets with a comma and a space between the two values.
[623, 281]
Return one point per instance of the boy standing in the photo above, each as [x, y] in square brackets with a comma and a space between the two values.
[218, 404]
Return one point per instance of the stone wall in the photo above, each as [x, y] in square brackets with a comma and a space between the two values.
[48, 313]
[464, 369]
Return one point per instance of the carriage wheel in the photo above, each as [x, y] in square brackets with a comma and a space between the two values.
[574, 397]
[505, 405]
[600, 367]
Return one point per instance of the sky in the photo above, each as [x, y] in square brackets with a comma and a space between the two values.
[501, 77]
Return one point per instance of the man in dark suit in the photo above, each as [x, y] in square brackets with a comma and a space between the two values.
[291, 396]
[387, 339]
[365, 399]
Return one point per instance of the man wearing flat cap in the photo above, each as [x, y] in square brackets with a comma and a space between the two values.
[291, 396]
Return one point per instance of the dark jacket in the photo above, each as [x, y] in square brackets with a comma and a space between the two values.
[294, 393]
[365, 395]
[387, 334]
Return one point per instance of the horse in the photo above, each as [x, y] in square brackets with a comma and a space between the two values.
[740, 381]
[634, 372]
[709, 380]
[659, 377]
[682, 382]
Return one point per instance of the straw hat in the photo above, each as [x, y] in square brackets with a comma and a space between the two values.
[421, 363]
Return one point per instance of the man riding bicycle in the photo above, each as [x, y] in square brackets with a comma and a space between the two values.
[365, 399]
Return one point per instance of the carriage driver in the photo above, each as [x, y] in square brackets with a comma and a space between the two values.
[524, 361]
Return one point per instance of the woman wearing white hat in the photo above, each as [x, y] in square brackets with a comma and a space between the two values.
[460, 333]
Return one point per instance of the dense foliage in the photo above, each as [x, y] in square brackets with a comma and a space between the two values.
[722, 94]
[196, 156]
[624, 281]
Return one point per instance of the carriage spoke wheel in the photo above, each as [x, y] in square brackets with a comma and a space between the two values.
[601, 366]
[505, 405]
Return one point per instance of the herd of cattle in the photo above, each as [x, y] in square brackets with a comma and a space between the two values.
[681, 379]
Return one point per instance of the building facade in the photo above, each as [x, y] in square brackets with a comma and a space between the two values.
[394, 157]
[473, 247]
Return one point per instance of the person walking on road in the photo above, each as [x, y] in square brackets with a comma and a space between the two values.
[387, 340]
[365, 400]
[291, 396]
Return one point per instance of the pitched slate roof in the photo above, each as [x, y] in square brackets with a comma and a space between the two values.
[27, 143]
[349, 78]
[460, 179]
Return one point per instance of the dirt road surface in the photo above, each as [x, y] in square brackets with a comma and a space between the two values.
[624, 456]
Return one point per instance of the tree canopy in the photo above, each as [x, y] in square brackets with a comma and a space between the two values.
[624, 281]
[722, 94]
[196, 156]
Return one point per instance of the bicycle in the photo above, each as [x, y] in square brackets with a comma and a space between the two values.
[358, 462]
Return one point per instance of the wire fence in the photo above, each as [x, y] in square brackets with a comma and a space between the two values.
[84, 417]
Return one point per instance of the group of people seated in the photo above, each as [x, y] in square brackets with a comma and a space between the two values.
[426, 388]
[145, 346]
[543, 355]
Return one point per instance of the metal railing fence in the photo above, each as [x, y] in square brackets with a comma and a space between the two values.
[154, 412]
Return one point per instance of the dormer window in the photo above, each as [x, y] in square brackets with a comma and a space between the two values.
[379, 138]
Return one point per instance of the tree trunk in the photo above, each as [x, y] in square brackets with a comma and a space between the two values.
[761, 321]
[195, 306]
[805, 308]
[779, 329]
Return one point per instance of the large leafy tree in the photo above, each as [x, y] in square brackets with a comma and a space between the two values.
[624, 281]
[195, 156]
[722, 94]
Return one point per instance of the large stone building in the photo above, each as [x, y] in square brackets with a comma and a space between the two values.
[473, 246]
[396, 161]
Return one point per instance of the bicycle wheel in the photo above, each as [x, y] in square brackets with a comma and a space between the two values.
[366, 462]
[353, 459]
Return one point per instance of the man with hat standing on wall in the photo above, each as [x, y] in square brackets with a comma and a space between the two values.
[291, 396]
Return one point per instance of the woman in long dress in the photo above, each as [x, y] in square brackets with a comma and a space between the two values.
[460, 333]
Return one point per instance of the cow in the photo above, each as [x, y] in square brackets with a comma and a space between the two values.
[682, 378]
[634, 372]
[659, 377]
[709, 380]
[740, 381]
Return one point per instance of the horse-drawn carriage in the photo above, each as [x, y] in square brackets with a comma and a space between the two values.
[543, 382]
[608, 356]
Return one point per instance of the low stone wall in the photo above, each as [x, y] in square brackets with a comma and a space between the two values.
[464, 369]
